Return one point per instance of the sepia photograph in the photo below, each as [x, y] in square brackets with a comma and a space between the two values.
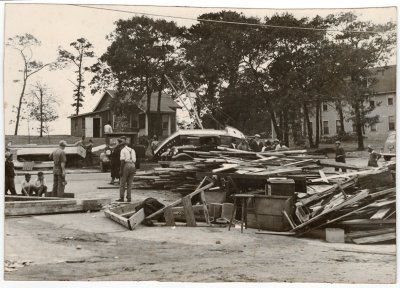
[201, 144]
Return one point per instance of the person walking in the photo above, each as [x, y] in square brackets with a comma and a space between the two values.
[9, 175]
[89, 154]
[340, 155]
[127, 170]
[60, 159]
[373, 157]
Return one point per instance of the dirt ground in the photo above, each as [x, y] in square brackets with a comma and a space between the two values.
[88, 246]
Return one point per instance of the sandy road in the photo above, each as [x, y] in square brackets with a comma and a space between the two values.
[88, 246]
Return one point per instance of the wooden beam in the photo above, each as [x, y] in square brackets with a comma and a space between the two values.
[328, 163]
[376, 238]
[37, 207]
[117, 218]
[136, 219]
[169, 217]
[197, 191]
[188, 210]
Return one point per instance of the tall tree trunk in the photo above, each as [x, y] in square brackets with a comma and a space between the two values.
[308, 125]
[286, 129]
[21, 97]
[359, 125]
[317, 119]
[341, 117]
[277, 128]
[79, 87]
[41, 112]
[158, 129]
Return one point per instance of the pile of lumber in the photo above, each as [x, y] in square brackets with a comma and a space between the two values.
[178, 177]
[366, 215]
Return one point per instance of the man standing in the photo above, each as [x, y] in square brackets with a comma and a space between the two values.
[9, 175]
[154, 144]
[59, 157]
[127, 170]
[256, 145]
[373, 157]
[340, 155]
[107, 130]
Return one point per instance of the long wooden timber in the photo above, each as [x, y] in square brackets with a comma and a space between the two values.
[53, 206]
[130, 223]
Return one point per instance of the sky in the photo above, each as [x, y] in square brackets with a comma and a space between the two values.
[58, 25]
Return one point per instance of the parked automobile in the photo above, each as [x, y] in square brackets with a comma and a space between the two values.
[105, 157]
[389, 150]
[176, 146]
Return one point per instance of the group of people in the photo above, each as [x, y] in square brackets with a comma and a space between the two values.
[258, 145]
[88, 148]
[123, 159]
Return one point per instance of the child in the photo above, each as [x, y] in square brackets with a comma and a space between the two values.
[27, 187]
[40, 185]
[9, 175]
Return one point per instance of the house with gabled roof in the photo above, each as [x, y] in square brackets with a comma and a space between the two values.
[138, 122]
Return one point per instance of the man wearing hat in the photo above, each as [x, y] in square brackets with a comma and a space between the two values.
[9, 175]
[256, 145]
[340, 155]
[60, 158]
[373, 157]
[115, 162]
[127, 170]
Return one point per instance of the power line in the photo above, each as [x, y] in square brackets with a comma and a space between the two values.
[224, 22]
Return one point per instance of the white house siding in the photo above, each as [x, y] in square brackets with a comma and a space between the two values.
[384, 110]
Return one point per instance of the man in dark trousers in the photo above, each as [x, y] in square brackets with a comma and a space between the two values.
[9, 175]
[115, 161]
[60, 159]
[256, 145]
[340, 155]
[127, 170]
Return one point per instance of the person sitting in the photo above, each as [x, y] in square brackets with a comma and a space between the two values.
[40, 185]
[28, 188]
[89, 154]
[243, 145]
[256, 145]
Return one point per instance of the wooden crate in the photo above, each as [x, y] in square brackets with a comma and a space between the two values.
[269, 210]
[282, 187]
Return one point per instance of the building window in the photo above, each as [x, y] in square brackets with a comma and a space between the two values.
[134, 121]
[165, 122]
[326, 127]
[390, 101]
[392, 123]
[324, 107]
[354, 127]
[372, 103]
[142, 121]
[338, 127]
[373, 127]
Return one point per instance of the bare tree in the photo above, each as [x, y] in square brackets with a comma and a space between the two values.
[42, 107]
[23, 44]
[84, 49]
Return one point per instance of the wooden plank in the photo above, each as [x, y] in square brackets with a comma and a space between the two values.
[117, 218]
[367, 222]
[53, 206]
[343, 175]
[329, 163]
[360, 234]
[376, 238]
[381, 213]
[30, 198]
[197, 191]
[225, 167]
[288, 233]
[289, 219]
[136, 219]
[188, 210]
[169, 217]
[323, 176]
[205, 209]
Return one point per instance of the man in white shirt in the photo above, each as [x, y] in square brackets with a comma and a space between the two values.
[108, 128]
[127, 170]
